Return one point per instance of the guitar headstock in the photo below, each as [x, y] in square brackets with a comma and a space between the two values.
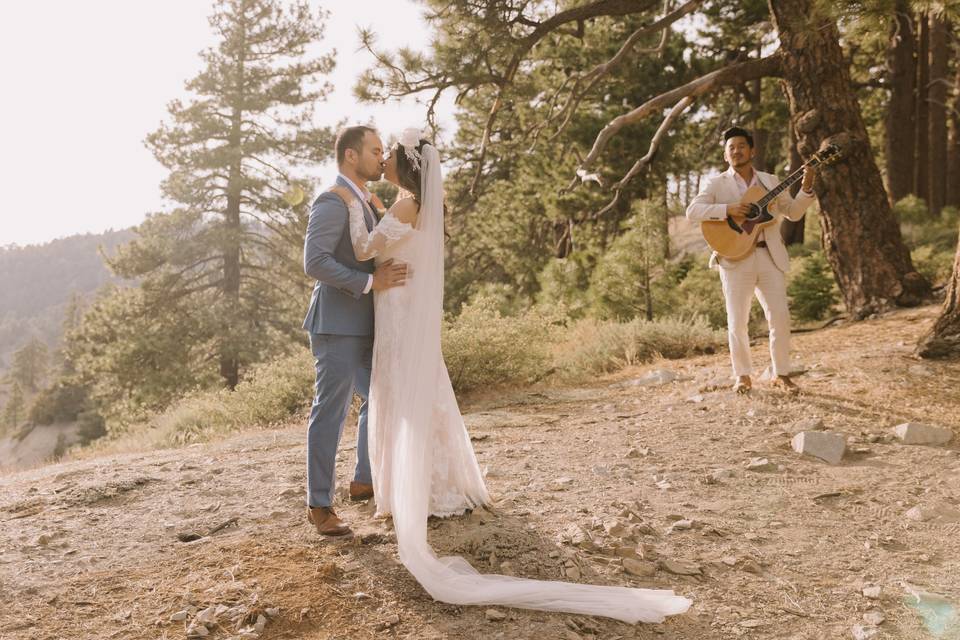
[827, 155]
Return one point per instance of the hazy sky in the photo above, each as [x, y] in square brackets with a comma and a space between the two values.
[85, 82]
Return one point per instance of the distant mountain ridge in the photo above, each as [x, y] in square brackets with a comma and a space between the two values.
[38, 281]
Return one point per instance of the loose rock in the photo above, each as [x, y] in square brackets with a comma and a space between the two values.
[829, 447]
[493, 615]
[679, 568]
[761, 465]
[872, 592]
[916, 433]
[639, 568]
[862, 632]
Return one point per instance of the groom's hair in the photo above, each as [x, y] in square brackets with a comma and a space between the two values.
[350, 138]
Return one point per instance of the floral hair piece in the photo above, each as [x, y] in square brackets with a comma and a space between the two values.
[410, 140]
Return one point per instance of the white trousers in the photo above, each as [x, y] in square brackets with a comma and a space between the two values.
[756, 273]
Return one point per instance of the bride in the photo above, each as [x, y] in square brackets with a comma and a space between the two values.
[420, 452]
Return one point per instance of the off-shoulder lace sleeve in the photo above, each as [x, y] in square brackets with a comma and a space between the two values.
[369, 244]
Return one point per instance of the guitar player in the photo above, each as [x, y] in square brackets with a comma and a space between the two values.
[764, 269]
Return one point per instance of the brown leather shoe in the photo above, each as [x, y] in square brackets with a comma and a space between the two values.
[784, 383]
[742, 385]
[327, 522]
[360, 491]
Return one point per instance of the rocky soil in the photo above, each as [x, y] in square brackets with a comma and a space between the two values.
[655, 477]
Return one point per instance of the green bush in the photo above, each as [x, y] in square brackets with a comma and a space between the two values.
[920, 229]
[935, 264]
[812, 290]
[269, 395]
[564, 281]
[591, 346]
[700, 294]
[482, 347]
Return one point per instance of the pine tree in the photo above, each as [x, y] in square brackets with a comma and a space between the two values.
[13, 411]
[229, 254]
[30, 364]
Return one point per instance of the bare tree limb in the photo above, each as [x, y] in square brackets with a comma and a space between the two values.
[601, 70]
[662, 130]
[730, 75]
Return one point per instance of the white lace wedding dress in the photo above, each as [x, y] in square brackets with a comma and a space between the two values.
[420, 452]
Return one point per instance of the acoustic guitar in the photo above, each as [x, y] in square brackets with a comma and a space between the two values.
[735, 237]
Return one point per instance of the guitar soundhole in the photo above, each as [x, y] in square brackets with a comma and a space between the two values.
[755, 211]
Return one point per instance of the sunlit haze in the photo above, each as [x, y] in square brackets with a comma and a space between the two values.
[85, 82]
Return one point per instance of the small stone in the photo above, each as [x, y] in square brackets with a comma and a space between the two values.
[656, 378]
[197, 631]
[760, 465]
[807, 424]
[494, 615]
[562, 483]
[680, 525]
[721, 474]
[573, 573]
[916, 433]
[262, 623]
[751, 566]
[206, 617]
[918, 514]
[632, 452]
[663, 485]
[179, 616]
[696, 399]
[639, 568]
[751, 624]
[829, 447]
[862, 632]
[679, 568]
[389, 621]
[616, 529]
[874, 617]
[872, 592]
[730, 561]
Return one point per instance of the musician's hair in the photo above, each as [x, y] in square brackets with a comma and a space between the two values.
[734, 132]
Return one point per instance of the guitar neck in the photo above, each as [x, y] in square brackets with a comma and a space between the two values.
[785, 184]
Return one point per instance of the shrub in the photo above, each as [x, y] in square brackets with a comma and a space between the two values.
[699, 294]
[812, 290]
[270, 394]
[935, 264]
[564, 281]
[483, 347]
[911, 210]
[591, 346]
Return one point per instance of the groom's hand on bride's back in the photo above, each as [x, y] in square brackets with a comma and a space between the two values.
[390, 274]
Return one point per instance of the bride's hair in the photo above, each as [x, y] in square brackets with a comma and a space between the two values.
[407, 175]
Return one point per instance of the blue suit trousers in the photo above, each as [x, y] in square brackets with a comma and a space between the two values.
[343, 366]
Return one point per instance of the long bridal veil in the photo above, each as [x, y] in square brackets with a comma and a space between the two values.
[425, 402]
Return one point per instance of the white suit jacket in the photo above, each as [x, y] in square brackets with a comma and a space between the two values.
[711, 204]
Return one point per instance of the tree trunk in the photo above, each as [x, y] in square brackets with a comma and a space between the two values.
[953, 151]
[861, 235]
[943, 340]
[939, 81]
[901, 113]
[922, 173]
[232, 233]
[793, 232]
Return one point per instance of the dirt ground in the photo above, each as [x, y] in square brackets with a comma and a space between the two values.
[581, 477]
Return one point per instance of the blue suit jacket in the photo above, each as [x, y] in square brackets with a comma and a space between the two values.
[338, 305]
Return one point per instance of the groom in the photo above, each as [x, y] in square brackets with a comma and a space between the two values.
[340, 322]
